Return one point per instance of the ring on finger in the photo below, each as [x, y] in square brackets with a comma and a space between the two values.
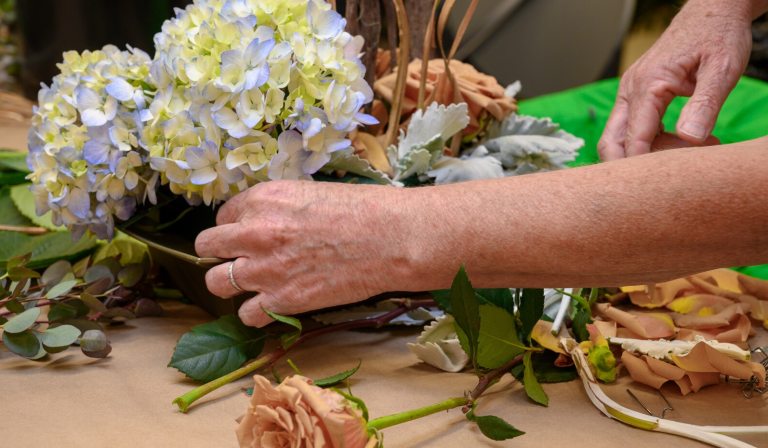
[231, 276]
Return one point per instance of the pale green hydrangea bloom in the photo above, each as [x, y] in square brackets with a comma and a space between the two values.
[233, 76]
[84, 155]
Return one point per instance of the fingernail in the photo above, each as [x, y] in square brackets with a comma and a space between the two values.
[694, 129]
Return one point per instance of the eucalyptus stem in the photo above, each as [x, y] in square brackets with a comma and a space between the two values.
[186, 400]
[413, 414]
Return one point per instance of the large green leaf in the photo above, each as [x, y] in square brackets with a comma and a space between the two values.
[61, 336]
[498, 340]
[22, 322]
[24, 344]
[501, 297]
[13, 160]
[24, 201]
[216, 348]
[466, 312]
[531, 309]
[9, 214]
[45, 249]
[543, 364]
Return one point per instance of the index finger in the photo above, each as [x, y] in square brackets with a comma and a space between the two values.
[611, 144]
[231, 210]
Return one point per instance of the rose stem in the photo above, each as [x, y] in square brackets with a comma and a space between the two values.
[186, 400]
[483, 384]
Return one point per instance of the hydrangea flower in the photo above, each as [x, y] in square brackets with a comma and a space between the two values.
[87, 167]
[250, 91]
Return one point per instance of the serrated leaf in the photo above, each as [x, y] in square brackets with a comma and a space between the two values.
[24, 201]
[532, 387]
[61, 289]
[9, 214]
[336, 379]
[22, 321]
[531, 309]
[24, 344]
[443, 299]
[45, 249]
[466, 311]
[498, 341]
[435, 122]
[216, 348]
[501, 297]
[287, 339]
[61, 336]
[14, 160]
[495, 428]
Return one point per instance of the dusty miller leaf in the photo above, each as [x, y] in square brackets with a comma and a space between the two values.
[347, 160]
[216, 348]
[480, 165]
[526, 144]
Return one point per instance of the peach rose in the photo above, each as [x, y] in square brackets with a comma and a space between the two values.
[482, 93]
[297, 413]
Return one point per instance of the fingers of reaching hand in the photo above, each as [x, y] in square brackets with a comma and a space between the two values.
[223, 241]
[611, 144]
[714, 82]
[224, 280]
[644, 121]
[252, 311]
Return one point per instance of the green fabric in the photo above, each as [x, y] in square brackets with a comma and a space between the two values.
[583, 111]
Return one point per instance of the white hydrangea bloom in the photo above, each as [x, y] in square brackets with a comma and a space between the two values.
[249, 91]
[86, 163]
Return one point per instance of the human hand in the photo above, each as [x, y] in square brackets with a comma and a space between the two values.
[308, 245]
[701, 55]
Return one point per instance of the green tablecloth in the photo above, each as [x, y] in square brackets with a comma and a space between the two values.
[583, 111]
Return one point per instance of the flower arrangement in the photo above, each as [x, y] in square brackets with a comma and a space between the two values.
[240, 92]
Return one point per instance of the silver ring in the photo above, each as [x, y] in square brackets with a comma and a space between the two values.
[231, 276]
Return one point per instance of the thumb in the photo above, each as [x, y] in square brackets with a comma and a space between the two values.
[698, 117]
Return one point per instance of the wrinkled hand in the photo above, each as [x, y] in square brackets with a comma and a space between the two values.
[307, 245]
[701, 55]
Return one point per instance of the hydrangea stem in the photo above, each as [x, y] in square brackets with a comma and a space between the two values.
[186, 400]
[407, 416]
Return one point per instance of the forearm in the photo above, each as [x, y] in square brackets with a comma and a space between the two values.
[748, 8]
[646, 218]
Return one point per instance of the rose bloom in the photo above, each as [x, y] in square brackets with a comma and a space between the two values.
[482, 93]
[296, 413]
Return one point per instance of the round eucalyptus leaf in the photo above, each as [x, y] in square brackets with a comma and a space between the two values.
[61, 289]
[21, 322]
[99, 272]
[130, 275]
[61, 336]
[24, 344]
[147, 308]
[93, 303]
[56, 272]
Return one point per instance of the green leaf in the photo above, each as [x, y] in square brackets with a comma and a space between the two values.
[532, 387]
[9, 178]
[501, 297]
[286, 340]
[531, 309]
[71, 309]
[498, 341]
[336, 379]
[61, 336]
[15, 306]
[24, 344]
[443, 299]
[128, 248]
[22, 321]
[25, 202]
[93, 303]
[495, 428]
[545, 369]
[348, 161]
[14, 160]
[45, 249]
[18, 273]
[216, 348]
[131, 275]
[57, 272]
[9, 214]
[581, 318]
[466, 311]
[61, 289]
